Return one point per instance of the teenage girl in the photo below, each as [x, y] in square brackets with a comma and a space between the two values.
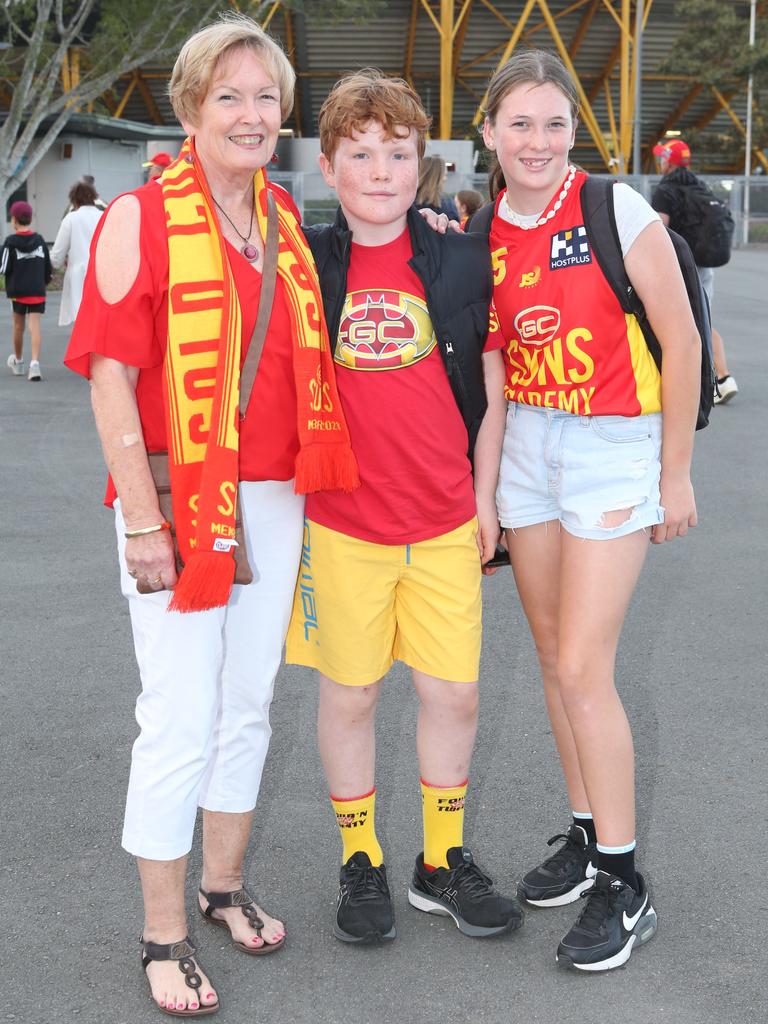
[591, 470]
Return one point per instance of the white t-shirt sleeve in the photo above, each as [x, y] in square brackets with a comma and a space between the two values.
[633, 214]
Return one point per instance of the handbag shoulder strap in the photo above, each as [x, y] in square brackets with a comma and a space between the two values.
[266, 297]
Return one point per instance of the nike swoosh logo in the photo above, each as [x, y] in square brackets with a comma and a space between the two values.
[630, 922]
[591, 870]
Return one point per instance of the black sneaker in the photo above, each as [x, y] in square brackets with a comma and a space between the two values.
[465, 893]
[364, 910]
[564, 876]
[614, 921]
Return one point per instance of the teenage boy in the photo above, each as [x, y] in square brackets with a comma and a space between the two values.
[26, 263]
[393, 570]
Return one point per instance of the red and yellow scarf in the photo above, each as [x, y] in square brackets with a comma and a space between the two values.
[202, 379]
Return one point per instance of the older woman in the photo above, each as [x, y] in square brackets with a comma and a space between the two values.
[72, 246]
[169, 307]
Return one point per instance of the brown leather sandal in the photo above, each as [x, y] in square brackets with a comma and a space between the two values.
[243, 899]
[184, 954]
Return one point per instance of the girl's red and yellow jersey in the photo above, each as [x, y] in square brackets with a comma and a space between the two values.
[568, 345]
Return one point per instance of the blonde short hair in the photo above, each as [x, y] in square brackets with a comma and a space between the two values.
[201, 54]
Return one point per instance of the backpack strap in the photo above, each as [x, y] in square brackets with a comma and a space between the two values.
[600, 223]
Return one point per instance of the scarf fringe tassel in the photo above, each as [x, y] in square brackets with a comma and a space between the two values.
[326, 467]
[205, 583]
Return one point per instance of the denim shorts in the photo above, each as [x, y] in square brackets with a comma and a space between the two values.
[555, 465]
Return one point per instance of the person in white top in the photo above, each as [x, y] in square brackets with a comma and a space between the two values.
[584, 488]
[72, 246]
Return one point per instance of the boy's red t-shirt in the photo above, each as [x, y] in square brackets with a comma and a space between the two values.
[134, 331]
[406, 430]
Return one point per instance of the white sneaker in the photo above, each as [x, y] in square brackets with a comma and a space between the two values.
[16, 366]
[34, 371]
[727, 388]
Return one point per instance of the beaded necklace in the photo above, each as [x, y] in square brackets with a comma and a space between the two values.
[517, 219]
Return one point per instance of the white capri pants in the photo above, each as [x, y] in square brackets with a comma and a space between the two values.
[207, 680]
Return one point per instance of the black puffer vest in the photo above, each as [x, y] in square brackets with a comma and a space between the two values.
[455, 270]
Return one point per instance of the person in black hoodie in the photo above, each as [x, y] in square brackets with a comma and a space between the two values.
[394, 571]
[26, 263]
[668, 200]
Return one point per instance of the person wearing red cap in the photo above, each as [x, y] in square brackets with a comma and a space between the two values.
[25, 261]
[157, 165]
[674, 157]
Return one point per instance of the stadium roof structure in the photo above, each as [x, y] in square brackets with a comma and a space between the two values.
[449, 48]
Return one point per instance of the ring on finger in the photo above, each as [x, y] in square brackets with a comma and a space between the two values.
[133, 572]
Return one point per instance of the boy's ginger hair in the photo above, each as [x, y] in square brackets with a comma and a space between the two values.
[366, 96]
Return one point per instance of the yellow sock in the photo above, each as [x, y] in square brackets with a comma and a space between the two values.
[443, 812]
[356, 819]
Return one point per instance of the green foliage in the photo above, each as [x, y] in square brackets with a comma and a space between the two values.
[713, 48]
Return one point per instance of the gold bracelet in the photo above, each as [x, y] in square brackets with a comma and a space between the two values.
[165, 525]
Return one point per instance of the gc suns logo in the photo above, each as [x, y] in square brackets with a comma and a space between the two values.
[570, 248]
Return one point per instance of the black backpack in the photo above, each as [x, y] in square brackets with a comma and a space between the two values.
[706, 224]
[600, 224]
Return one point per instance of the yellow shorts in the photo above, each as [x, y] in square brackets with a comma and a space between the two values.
[359, 605]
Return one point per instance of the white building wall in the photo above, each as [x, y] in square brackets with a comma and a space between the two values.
[115, 166]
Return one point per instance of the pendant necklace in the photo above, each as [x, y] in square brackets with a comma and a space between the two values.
[248, 250]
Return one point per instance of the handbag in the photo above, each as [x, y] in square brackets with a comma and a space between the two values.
[158, 461]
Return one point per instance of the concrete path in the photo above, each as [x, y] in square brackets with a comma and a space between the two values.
[692, 670]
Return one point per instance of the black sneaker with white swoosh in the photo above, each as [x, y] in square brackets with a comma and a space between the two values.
[564, 876]
[614, 921]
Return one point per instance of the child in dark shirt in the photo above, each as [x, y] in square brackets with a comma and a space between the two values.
[25, 261]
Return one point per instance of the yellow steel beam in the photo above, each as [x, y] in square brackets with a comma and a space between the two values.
[447, 12]
[511, 44]
[410, 40]
[737, 121]
[497, 14]
[66, 82]
[126, 95]
[625, 113]
[459, 35]
[560, 14]
[74, 66]
[431, 13]
[587, 114]
[270, 15]
[149, 99]
[713, 111]
[612, 11]
[108, 100]
[460, 28]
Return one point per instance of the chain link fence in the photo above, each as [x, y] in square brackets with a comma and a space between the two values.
[317, 202]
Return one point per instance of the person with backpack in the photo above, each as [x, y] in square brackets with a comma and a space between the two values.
[591, 469]
[688, 206]
[26, 264]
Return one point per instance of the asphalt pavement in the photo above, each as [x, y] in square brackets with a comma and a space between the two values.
[691, 669]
